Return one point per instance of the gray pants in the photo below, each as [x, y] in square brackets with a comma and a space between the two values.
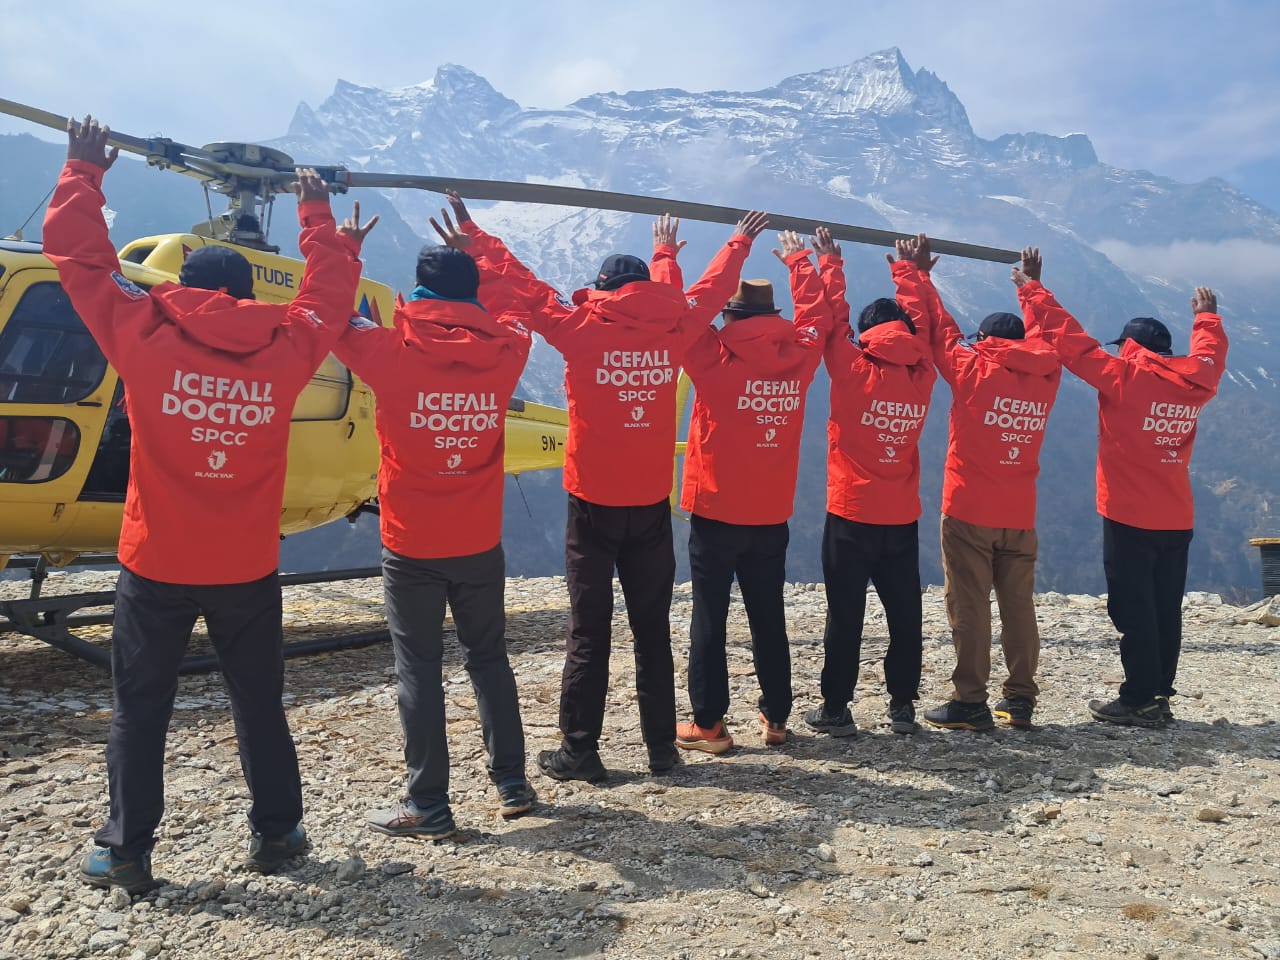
[416, 591]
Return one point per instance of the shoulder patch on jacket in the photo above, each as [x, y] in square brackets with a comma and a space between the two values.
[313, 318]
[564, 301]
[127, 286]
[358, 322]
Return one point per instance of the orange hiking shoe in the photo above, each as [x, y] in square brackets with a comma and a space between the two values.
[715, 739]
[775, 734]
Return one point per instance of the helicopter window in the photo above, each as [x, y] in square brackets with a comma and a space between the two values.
[46, 354]
[326, 396]
[36, 449]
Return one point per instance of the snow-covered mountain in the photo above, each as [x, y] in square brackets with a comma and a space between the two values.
[879, 144]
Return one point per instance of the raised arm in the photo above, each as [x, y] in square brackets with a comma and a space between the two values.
[118, 313]
[664, 268]
[713, 289]
[507, 286]
[328, 290]
[1044, 317]
[813, 318]
[1208, 337]
[912, 276]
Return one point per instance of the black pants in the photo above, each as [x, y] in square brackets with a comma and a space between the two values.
[637, 541]
[153, 623]
[888, 556]
[415, 592]
[757, 555]
[1146, 576]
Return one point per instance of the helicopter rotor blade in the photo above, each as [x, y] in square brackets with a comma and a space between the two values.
[633, 203]
[158, 151]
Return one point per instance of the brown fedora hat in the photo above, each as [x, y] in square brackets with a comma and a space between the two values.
[752, 297]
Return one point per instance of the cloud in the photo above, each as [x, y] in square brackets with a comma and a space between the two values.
[1236, 261]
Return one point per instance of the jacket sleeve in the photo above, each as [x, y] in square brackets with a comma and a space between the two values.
[119, 314]
[915, 298]
[707, 297]
[318, 315]
[950, 354]
[1209, 344]
[1084, 356]
[369, 350]
[510, 288]
[813, 312]
[664, 268]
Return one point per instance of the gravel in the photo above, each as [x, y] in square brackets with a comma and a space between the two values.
[1074, 839]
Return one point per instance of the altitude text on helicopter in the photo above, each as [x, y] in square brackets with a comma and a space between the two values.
[64, 432]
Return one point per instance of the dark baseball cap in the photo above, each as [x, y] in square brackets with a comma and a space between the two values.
[883, 310]
[1150, 333]
[620, 268]
[448, 272]
[218, 268]
[1006, 326]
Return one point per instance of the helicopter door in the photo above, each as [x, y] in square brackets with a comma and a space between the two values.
[54, 388]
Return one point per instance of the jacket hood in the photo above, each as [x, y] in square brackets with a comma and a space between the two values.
[1190, 373]
[1032, 356]
[436, 326]
[633, 305]
[766, 341]
[217, 320]
[893, 343]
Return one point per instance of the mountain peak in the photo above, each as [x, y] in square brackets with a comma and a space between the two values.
[881, 83]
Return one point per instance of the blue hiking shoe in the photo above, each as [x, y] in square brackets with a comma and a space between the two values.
[268, 854]
[515, 797]
[101, 867]
[407, 819]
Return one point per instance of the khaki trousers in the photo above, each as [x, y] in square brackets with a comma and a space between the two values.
[974, 559]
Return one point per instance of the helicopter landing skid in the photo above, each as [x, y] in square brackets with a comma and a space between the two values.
[51, 620]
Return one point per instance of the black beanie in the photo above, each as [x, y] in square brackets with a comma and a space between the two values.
[448, 272]
[218, 268]
[883, 310]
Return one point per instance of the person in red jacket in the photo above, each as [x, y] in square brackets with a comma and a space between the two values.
[1002, 389]
[751, 377]
[621, 342]
[443, 377]
[1149, 404]
[881, 385]
[210, 379]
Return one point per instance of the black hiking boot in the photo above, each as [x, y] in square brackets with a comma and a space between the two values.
[560, 764]
[1015, 711]
[954, 715]
[1118, 711]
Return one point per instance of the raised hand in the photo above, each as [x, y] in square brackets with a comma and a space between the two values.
[1018, 277]
[823, 244]
[351, 225]
[1204, 301]
[1032, 262]
[922, 255]
[309, 185]
[450, 234]
[87, 141]
[905, 249]
[791, 243]
[752, 224]
[459, 208]
[665, 229]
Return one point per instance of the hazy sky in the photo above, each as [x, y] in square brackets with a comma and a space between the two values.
[1183, 89]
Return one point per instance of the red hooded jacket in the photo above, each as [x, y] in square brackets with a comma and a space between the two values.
[210, 383]
[881, 385]
[1148, 409]
[621, 349]
[1001, 394]
[751, 378]
[443, 379]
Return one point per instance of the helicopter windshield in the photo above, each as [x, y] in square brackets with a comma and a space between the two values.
[46, 354]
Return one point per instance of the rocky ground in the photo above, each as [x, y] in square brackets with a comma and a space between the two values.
[1072, 840]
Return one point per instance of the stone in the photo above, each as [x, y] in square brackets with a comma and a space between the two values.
[1211, 815]
[349, 871]
[914, 935]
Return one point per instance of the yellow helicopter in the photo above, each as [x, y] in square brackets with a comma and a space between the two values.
[64, 435]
